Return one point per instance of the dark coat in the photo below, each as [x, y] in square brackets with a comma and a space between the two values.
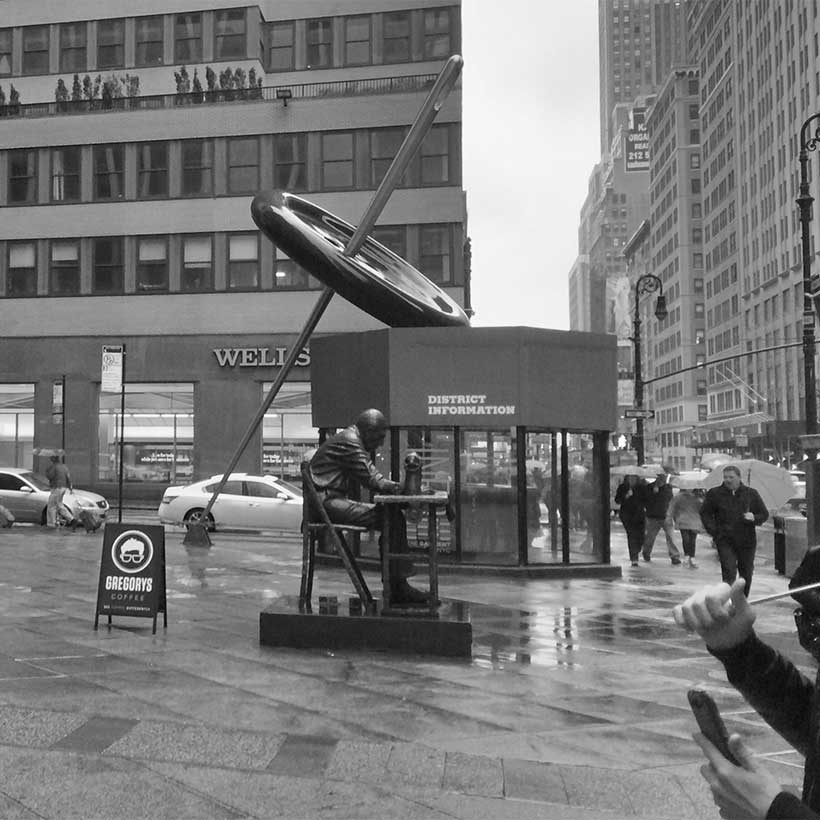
[722, 514]
[657, 498]
[787, 700]
[631, 511]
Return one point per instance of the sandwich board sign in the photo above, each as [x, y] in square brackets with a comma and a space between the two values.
[132, 573]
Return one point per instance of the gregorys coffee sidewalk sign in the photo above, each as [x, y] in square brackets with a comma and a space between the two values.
[132, 573]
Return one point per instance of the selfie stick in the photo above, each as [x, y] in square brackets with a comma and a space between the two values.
[788, 592]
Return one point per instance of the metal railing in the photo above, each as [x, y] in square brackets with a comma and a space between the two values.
[219, 96]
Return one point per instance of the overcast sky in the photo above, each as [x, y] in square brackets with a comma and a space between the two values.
[531, 139]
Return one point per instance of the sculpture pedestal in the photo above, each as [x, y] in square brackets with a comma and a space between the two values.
[449, 634]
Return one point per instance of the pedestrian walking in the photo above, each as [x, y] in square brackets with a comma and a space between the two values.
[59, 480]
[730, 513]
[629, 495]
[657, 498]
[684, 510]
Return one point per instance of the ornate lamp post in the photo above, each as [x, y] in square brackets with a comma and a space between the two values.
[811, 441]
[647, 283]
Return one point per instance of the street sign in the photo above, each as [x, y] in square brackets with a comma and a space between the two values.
[638, 413]
[112, 356]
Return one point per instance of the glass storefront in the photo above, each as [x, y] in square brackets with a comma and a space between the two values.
[157, 437]
[17, 425]
[287, 431]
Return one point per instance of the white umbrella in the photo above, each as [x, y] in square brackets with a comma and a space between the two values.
[688, 481]
[775, 485]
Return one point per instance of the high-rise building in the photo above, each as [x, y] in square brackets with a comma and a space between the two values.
[133, 137]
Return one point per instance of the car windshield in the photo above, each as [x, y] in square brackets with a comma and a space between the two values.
[39, 481]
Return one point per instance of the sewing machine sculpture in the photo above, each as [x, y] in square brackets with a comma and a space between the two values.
[374, 279]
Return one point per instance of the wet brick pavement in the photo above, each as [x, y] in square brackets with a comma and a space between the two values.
[572, 706]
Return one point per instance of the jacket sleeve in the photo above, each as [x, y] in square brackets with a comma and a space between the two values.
[708, 515]
[357, 463]
[787, 806]
[620, 493]
[757, 507]
[774, 687]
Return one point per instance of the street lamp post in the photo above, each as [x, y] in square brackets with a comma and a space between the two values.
[811, 441]
[647, 283]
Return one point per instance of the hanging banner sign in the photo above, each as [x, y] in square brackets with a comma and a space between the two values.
[637, 142]
[112, 356]
[57, 401]
[132, 572]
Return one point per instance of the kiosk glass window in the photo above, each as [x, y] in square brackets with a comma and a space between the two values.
[488, 509]
[158, 433]
[287, 428]
[543, 498]
[110, 43]
[197, 264]
[21, 276]
[108, 265]
[585, 513]
[65, 268]
[17, 424]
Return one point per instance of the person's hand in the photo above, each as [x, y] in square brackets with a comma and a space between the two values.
[743, 791]
[720, 614]
[748, 516]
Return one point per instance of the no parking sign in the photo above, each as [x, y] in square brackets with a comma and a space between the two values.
[132, 573]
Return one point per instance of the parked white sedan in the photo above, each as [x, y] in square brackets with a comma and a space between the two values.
[26, 493]
[259, 502]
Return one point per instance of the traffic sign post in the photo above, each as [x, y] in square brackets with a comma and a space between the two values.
[638, 413]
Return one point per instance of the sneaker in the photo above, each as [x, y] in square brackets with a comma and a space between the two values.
[645, 557]
[693, 564]
[675, 561]
[634, 563]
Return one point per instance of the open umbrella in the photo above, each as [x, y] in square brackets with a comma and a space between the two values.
[775, 485]
[691, 480]
[48, 451]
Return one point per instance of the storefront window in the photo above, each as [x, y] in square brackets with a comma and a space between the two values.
[287, 431]
[543, 469]
[16, 424]
[585, 514]
[158, 436]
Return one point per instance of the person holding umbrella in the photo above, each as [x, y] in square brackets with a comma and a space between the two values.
[730, 514]
[684, 510]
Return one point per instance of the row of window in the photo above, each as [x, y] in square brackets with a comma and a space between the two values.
[196, 263]
[297, 162]
[354, 40]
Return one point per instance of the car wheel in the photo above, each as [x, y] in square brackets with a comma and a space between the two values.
[195, 517]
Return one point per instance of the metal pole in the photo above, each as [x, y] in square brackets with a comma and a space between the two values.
[122, 437]
[62, 432]
[804, 201]
[636, 340]
[198, 534]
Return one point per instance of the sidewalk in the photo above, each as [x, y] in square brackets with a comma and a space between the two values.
[573, 705]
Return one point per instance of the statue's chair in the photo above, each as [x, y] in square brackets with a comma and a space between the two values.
[315, 525]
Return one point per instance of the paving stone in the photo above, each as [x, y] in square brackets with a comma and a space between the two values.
[473, 774]
[528, 780]
[416, 763]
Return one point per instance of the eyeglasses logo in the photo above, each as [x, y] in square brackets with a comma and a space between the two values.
[132, 552]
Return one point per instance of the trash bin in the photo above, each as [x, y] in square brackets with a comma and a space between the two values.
[779, 543]
[796, 542]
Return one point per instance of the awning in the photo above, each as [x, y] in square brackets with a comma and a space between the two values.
[734, 421]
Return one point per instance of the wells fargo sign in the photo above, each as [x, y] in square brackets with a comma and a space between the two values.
[257, 357]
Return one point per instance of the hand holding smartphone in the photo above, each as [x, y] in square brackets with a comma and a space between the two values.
[710, 722]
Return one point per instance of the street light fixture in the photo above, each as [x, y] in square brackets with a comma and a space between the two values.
[811, 441]
[647, 283]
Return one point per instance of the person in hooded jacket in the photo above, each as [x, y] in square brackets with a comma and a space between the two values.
[781, 694]
[684, 510]
[629, 496]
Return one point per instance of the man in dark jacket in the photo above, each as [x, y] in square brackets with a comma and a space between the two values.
[779, 692]
[730, 514]
[344, 458]
[656, 499]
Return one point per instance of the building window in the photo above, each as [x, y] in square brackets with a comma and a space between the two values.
[109, 171]
[290, 276]
[243, 261]
[229, 35]
[396, 46]
[21, 277]
[152, 169]
[384, 145]
[152, 264]
[337, 160]
[435, 156]
[437, 34]
[357, 40]
[73, 47]
[5, 50]
[110, 43]
[697, 260]
[393, 237]
[290, 162]
[699, 309]
[434, 253]
[188, 38]
[319, 43]
[65, 174]
[694, 161]
[22, 177]
[65, 268]
[149, 41]
[281, 57]
[197, 264]
[35, 50]
[243, 165]
[197, 167]
[697, 211]
[108, 275]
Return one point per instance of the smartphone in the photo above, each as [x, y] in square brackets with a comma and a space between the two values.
[710, 722]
